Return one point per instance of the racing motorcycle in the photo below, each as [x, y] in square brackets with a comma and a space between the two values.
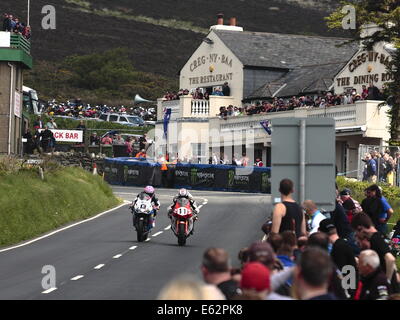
[182, 220]
[143, 211]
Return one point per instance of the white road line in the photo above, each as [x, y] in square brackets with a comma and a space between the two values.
[49, 290]
[147, 240]
[99, 266]
[167, 228]
[133, 248]
[77, 278]
[157, 234]
[62, 229]
[117, 256]
[200, 206]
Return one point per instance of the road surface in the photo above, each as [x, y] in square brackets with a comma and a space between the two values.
[101, 259]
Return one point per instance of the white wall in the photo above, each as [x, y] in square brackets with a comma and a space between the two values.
[213, 61]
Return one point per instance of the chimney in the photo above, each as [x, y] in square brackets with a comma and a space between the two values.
[220, 19]
[232, 22]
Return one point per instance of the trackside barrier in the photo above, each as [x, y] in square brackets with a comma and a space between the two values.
[139, 172]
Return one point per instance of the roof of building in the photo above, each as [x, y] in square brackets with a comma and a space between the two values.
[286, 51]
[300, 80]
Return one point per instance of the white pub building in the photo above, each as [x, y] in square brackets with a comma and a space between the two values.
[262, 66]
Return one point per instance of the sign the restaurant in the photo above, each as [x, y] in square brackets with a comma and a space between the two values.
[211, 59]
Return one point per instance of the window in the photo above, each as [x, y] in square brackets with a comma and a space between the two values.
[103, 117]
[113, 118]
[135, 120]
[122, 119]
[199, 152]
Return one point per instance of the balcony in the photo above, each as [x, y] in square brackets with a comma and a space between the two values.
[15, 48]
[362, 118]
[19, 42]
[187, 107]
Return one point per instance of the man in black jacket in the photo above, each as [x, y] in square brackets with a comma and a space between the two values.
[372, 204]
[374, 284]
[226, 90]
[6, 22]
[46, 136]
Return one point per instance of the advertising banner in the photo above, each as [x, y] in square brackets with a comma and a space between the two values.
[201, 177]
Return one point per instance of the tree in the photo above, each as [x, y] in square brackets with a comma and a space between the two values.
[386, 15]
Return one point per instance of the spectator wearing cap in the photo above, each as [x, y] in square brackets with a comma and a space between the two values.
[350, 205]
[288, 215]
[340, 220]
[342, 254]
[256, 283]
[312, 275]
[216, 270]
[368, 237]
[315, 216]
[373, 284]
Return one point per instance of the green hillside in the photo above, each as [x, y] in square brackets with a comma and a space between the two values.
[159, 35]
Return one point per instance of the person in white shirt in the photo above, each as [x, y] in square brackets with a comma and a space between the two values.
[315, 216]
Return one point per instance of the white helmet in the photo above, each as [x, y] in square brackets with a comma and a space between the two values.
[183, 192]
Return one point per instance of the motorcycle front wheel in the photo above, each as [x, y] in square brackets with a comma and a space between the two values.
[181, 234]
[140, 231]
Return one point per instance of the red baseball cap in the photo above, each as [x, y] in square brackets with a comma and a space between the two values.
[255, 276]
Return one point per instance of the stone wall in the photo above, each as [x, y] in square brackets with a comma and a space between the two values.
[75, 159]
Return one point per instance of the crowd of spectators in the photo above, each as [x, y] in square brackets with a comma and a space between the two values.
[77, 109]
[198, 93]
[308, 255]
[131, 146]
[327, 99]
[13, 24]
[381, 167]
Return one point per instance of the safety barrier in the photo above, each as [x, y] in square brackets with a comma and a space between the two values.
[141, 172]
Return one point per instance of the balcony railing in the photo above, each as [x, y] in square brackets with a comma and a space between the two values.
[200, 108]
[19, 42]
[363, 114]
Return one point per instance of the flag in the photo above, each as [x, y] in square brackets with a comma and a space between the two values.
[167, 117]
[265, 125]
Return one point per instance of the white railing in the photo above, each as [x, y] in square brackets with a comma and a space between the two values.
[339, 113]
[200, 108]
[345, 115]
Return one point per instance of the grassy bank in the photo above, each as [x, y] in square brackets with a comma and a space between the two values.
[31, 207]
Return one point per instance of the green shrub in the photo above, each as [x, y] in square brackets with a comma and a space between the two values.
[392, 194]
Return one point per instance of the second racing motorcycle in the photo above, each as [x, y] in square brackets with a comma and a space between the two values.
[182, 220]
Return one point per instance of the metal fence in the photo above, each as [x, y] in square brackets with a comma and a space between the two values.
[387, 160]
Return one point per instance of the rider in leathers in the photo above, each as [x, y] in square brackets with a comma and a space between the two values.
[149, 190]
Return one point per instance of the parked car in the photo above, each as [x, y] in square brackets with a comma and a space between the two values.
[124, 119]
